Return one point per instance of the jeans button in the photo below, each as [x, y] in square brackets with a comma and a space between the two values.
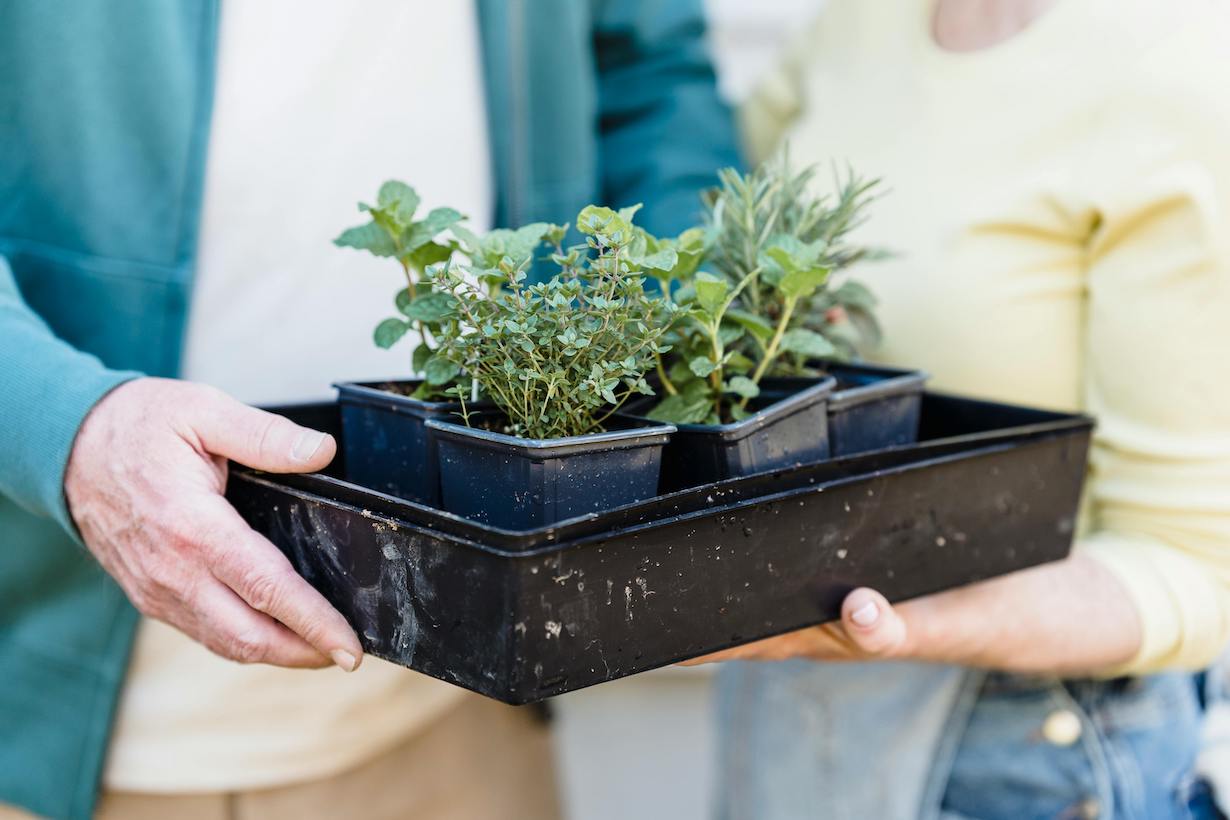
[1062, 727]
[1090, 809]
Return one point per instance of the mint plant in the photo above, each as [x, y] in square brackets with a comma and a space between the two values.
[557, 357]
[764, 310]
[392, 231]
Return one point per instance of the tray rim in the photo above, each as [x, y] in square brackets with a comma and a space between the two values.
[263, 479]
[553, 536]
[565, 544]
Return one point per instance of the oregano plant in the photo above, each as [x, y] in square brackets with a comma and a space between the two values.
[560, 356]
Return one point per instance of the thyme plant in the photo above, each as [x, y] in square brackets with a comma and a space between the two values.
[557, 357]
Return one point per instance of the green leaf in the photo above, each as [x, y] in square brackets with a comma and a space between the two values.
[807, 343]
[729, 334]
[663, 260]
[595, 219]
[419, 360]
[804, 254]
[680, 409]
[399, 200]
[758, 327]
[802, 282]
[710, 292]
[627, 213]
[431, 308]
[702, 366]
[743, 386]
[518, 245]
[679, 371]
[441, 218]
[555, 234]
[470, 241]
[402, 300]
[689, 251]
[685, 294]
[431, 253]
[853, 293]
[370, 237]
[439, 370]
[388, 332]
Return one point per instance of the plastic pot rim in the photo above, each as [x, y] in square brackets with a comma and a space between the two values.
[794, 403]
[368, 394]
[643, 435]
[912, 382]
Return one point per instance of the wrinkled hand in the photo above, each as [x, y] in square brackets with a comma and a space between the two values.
[1070, 617]
[145, 485]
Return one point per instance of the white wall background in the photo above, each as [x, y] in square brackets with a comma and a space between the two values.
[747, 35]
[643, 746]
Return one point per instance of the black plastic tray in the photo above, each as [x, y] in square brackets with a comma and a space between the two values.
[521, 616]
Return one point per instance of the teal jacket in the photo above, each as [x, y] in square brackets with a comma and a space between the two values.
[104, 125]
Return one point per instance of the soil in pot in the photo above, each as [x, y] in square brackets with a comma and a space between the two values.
[789, 426]
[872, 408]
[387, 445]
[519, 484]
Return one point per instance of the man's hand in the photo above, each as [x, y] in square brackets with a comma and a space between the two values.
[145, 486]
[1067, 618]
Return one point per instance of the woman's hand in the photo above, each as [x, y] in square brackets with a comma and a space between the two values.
[145, 486]
[1066, 618]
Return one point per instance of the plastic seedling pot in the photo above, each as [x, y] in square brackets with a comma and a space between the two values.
[872, 407]
[519, 483]
[387, 445]
[789, 427]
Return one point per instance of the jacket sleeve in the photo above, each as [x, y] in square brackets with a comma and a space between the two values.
[664, 129]
[48, 387]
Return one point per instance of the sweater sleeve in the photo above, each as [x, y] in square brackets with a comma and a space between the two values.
[48, 388]
[1157, 351]
[664, 130]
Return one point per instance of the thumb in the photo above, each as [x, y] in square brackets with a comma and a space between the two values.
[872, 624]
[260, 440]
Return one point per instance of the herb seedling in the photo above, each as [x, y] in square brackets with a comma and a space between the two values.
[557, 357]
[765, 309]
[393, 232]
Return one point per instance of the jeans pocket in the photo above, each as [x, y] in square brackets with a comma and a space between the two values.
[1121, 749]
[1027, 752]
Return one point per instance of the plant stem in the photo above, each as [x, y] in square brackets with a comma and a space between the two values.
[667, 384]
[774, 344]
[614, 408]
[405, 266]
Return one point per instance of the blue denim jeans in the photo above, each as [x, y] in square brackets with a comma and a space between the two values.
[907, 741]
[1023, 754]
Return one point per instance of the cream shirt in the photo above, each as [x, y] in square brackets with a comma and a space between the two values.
[316, 105]
[1060, 203]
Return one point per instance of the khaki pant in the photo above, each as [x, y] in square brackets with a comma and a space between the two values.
[480, 761]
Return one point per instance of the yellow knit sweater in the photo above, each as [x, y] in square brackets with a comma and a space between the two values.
[1060, 205]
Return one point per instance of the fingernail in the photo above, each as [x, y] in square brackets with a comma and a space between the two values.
[344, 660]
[866, 615]
[307, 445]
